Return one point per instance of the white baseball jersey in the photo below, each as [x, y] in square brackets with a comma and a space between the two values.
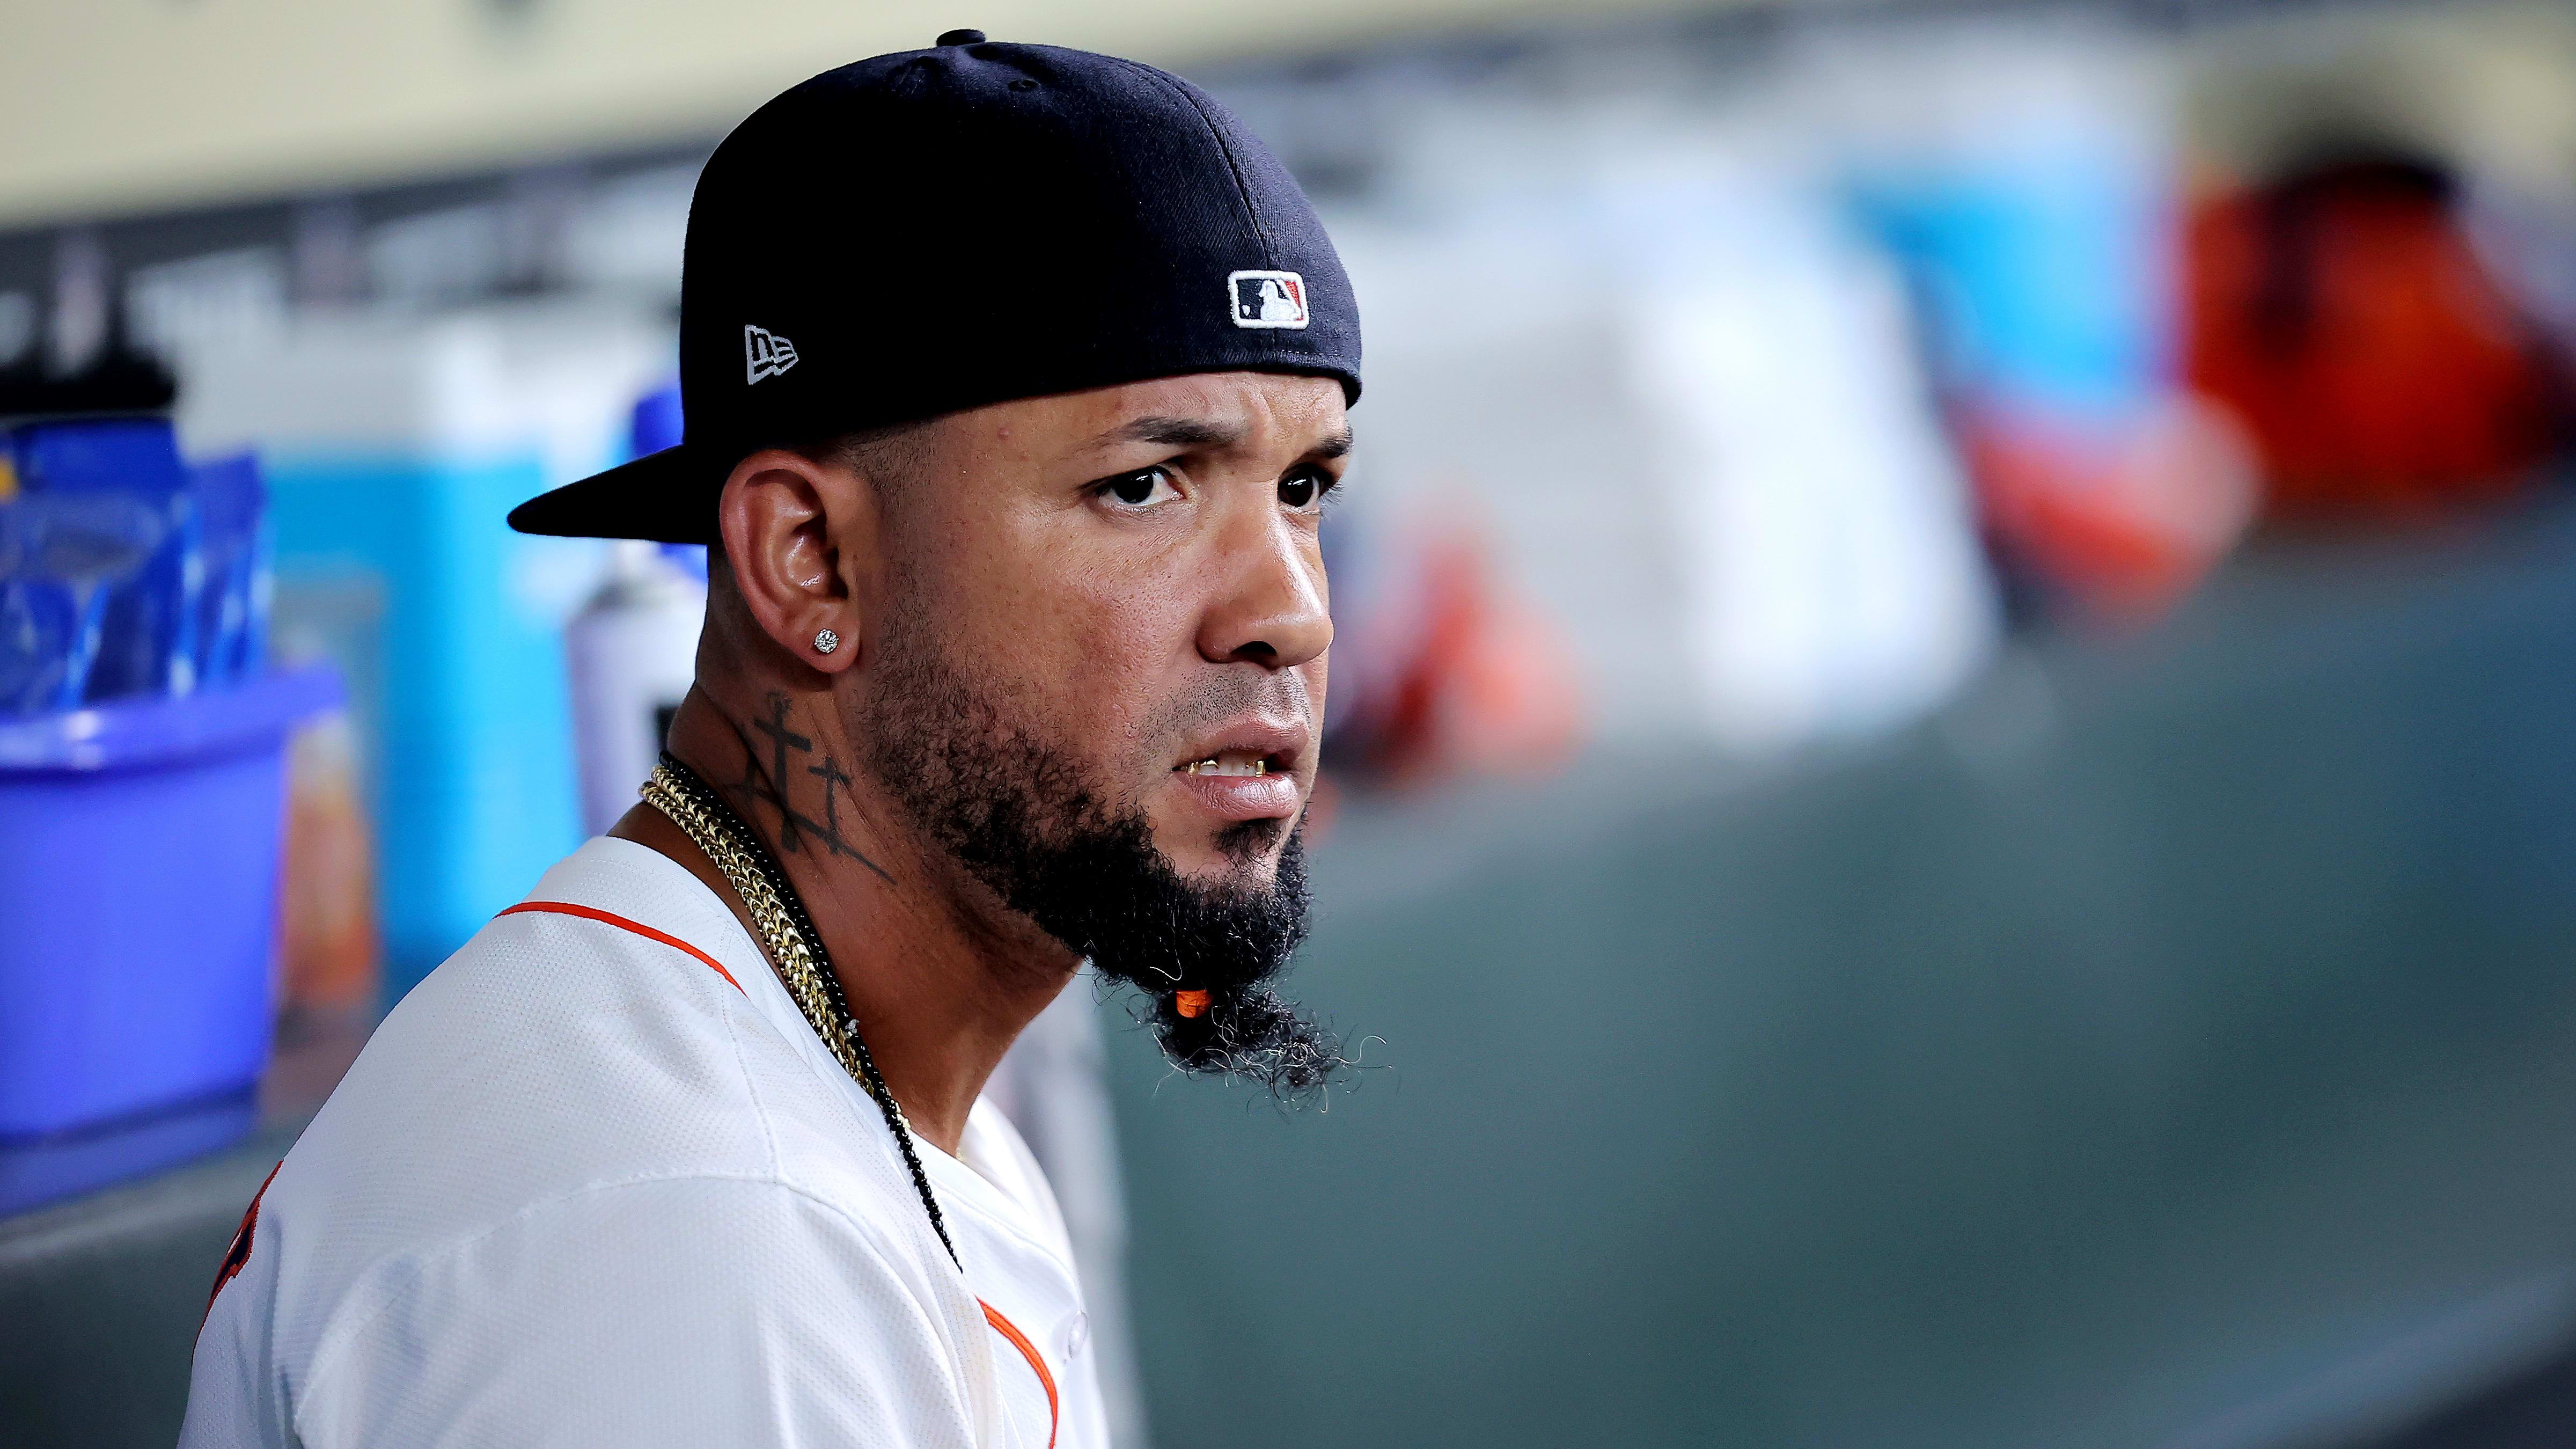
[596, 1182]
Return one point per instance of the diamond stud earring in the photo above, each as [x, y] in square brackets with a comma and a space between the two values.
[825, 641]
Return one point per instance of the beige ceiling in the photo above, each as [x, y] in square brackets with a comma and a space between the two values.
[118, 106]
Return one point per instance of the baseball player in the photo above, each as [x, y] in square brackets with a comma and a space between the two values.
[1015, 382]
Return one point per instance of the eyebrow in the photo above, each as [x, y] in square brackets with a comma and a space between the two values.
[1174, 433]
[1170, 432]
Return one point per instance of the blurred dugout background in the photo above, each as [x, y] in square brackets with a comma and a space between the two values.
[1952, 820]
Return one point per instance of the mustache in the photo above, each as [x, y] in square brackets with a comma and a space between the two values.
[1230, 694]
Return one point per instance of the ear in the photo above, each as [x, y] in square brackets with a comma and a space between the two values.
[800, 536]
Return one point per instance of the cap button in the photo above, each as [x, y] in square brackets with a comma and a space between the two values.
[962, 37]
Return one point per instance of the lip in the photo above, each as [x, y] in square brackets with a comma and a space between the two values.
[1275, 795]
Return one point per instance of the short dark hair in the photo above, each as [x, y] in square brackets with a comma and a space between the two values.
[891, 457]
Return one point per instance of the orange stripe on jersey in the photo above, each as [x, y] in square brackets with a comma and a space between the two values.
[1029, 1351]
[237, 1256]
[592, 913]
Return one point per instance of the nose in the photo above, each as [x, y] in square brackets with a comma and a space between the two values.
[1270, 609]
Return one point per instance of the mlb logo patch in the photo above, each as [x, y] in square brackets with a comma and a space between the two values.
[765, 354]
[1267, 299]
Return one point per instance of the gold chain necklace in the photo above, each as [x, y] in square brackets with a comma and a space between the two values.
[788, 933]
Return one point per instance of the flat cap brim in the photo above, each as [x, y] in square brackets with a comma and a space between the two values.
[665, 497]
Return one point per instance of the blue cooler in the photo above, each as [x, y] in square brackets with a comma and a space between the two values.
[140, 845]
[393, 446]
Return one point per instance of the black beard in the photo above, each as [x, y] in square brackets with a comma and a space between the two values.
[1019, 816]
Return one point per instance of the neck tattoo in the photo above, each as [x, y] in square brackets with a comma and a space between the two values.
[788, 933]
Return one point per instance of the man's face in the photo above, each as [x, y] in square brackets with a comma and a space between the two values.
[1096, 680]
[1135, 574]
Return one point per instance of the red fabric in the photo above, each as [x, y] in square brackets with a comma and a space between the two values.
[2345, 318]
[237, 1255]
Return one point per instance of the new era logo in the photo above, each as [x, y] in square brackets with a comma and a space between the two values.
[765, 354]
[1267, 299]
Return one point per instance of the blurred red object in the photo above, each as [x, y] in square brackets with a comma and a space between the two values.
[1478, 683]
[2125, 516]
[2343, 315]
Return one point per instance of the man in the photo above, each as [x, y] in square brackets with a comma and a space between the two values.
[1014, 656]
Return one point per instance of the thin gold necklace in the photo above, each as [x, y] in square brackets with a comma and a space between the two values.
[789, 934]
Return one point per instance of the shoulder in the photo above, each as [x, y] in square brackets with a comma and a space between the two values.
[597, 1038]
[691, 1309]
[590, 1033]
[582, 1130]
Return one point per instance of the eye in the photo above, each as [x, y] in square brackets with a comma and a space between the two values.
[1141, 489]
[1305, 487]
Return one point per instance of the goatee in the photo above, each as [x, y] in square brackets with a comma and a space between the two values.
[1022, 819]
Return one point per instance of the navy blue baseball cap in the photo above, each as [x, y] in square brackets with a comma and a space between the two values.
[941, 229]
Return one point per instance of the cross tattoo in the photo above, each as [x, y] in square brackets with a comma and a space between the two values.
[830, 831]
[794, 825]
[781, 740]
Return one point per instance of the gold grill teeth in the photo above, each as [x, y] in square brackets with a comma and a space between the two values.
[1208, 766]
